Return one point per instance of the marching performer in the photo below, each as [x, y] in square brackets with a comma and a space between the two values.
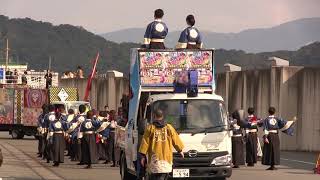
[47, 119]
[190, 38]
[101, 150]
[103, 133]
[41, 145]
[156, 32]
[271, 149]
[69, 118]
[237, 140]
[56, 138]
[251, 138]
[88, 142]
[111, 140]
[74, 131]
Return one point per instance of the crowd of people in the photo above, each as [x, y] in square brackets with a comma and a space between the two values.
[70, 74]
[13, 76]
[245, 133]
[88, 136]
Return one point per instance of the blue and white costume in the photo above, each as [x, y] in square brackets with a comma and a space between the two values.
[190, 38]
[271, 149]
[155, 34]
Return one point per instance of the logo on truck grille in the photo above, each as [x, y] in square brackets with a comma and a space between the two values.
[193, 153]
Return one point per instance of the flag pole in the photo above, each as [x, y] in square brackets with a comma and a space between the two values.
[93, 72]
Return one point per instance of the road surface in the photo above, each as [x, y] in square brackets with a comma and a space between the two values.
[21, 163]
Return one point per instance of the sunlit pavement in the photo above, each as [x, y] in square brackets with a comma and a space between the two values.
[21, 162]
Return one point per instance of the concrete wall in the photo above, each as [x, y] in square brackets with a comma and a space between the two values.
[104, 91]
[293, 91]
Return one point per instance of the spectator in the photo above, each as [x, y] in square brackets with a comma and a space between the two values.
[15, 76]
[48, 78]
[79, 72]
[71, 75]
[65, 75]
[24, 78]
[9, 77]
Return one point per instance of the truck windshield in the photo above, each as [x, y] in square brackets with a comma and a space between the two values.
[193, 116]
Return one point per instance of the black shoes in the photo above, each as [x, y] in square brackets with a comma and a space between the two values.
[271, 168]
[88, 167]
[250, 165]
[55, 164]
[80, 163]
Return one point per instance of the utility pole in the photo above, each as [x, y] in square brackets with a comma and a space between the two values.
[49, 66]
[7, 54]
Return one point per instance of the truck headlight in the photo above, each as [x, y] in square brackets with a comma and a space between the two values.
[222, 160]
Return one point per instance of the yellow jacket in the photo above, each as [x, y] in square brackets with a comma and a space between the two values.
[158, 144]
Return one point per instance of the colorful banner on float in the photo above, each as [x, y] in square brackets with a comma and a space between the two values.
[159, 68]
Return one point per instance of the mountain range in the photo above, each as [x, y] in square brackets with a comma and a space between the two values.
[288, 36]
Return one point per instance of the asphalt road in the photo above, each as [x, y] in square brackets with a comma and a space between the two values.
[21, 163]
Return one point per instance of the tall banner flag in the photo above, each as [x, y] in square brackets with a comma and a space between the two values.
[93, 72]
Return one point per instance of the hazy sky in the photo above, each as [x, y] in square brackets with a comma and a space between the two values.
[101, 16]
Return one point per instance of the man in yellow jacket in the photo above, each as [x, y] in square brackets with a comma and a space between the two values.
[158, 142]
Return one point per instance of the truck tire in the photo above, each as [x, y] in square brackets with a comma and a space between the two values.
[14, 134]
[20, 135]
[125, 175]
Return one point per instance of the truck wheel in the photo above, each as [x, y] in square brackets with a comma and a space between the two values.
[14, 134]
[125, 175]
[20, 135]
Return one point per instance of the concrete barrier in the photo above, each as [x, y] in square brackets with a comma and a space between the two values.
[293, 91]
[104, 91]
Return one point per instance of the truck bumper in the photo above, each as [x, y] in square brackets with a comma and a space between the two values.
[208, 172]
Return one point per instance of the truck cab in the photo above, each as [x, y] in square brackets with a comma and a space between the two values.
[198, 114]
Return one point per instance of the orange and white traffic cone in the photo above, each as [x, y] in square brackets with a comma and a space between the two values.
[317, 169]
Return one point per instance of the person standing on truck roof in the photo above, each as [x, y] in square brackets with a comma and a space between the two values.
[56, 138]
[156, 32]
[47, 119]
[41, 145]
[73, 130]
[251, 138]
[190, 38]
[158, 142]
[237, 140]
[88, 142]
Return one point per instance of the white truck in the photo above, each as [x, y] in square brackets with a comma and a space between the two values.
[198, 114]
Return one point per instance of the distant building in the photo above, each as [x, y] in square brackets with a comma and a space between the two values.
[13, 75]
